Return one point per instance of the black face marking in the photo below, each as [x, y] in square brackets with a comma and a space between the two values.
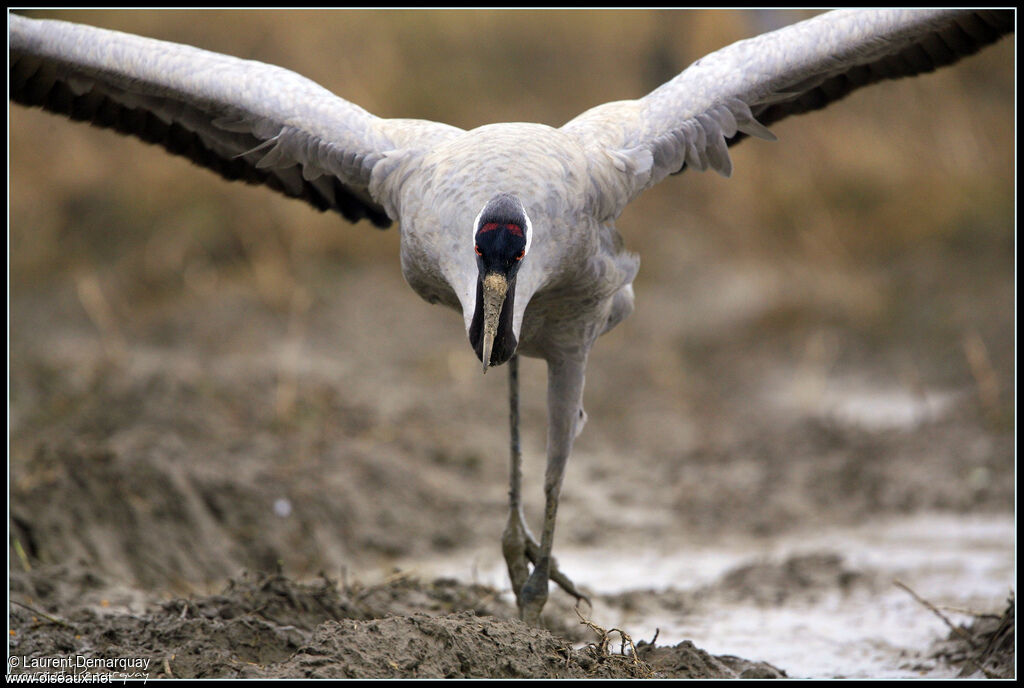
[500, 239]
[499, 251]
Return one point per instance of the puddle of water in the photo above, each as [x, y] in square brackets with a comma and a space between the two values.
[888, 410]
[871, 632]
[857, 403]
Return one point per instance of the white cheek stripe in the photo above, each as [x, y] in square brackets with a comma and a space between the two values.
[529, 231]
[476, 222]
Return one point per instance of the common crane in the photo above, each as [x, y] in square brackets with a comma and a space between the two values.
[512, 225]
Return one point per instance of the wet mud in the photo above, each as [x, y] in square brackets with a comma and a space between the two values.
[167, 506]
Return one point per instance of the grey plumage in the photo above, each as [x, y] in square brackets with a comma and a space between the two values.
[265, 125]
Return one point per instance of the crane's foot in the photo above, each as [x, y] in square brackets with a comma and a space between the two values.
[531, 588]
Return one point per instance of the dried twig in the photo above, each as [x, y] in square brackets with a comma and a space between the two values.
[985, 376]
[956, 629]
[100, 312]
[22, 556]
[935, 610]
[605, 639]
[48, 617]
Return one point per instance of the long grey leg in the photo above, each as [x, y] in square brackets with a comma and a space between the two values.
[513, 540]
[565, 393]
[517, 543]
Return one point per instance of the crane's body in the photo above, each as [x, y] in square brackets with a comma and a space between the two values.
[512, 225]
[578, 277]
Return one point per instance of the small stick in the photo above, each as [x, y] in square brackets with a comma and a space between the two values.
[956, 629]
[98, 308]
[985, 376]
[968, 612]
[22, 557]
[48, 617]
[935, 610]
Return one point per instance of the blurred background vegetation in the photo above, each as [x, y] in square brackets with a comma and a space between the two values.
[891, 213]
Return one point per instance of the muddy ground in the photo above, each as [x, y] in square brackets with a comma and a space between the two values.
[213, 492]
[240, 446]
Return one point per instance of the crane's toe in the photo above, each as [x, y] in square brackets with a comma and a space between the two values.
[513, 546]
[531, 589]
[534, 594]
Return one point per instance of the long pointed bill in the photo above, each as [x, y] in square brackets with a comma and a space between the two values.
[495, 287]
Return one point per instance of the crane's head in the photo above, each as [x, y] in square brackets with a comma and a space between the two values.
[502, 233]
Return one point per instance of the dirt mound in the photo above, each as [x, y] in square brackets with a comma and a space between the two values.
[269, 626]
[685, 660]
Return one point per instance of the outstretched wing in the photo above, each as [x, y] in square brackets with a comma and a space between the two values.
[243, 119]
[735, 92]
